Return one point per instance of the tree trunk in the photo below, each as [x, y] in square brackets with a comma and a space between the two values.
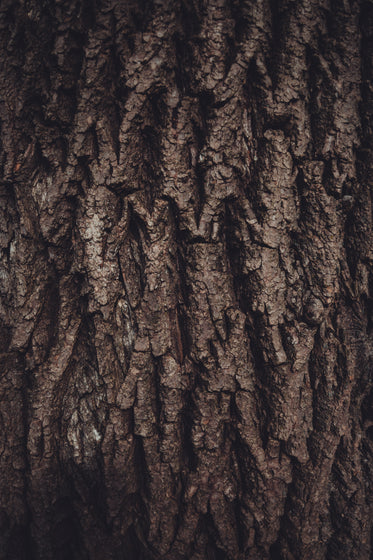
[186, 280]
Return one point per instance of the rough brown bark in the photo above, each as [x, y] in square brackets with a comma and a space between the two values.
[186, 279]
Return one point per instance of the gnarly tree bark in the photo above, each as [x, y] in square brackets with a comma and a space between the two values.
[186, 279]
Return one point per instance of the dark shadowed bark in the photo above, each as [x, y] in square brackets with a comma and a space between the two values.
[186, 279]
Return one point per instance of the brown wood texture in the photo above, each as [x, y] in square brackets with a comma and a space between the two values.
[186, 279]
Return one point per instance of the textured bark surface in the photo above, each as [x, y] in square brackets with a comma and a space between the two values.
[186, 279]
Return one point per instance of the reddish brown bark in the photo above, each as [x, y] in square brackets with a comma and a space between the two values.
[186, 279]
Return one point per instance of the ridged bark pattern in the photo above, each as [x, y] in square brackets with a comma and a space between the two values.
[186, 279]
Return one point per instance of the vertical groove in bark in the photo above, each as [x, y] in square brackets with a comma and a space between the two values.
[186, 280]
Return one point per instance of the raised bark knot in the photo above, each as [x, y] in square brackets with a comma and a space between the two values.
[313, 311]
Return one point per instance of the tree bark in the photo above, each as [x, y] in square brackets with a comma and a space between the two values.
[186, 279]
